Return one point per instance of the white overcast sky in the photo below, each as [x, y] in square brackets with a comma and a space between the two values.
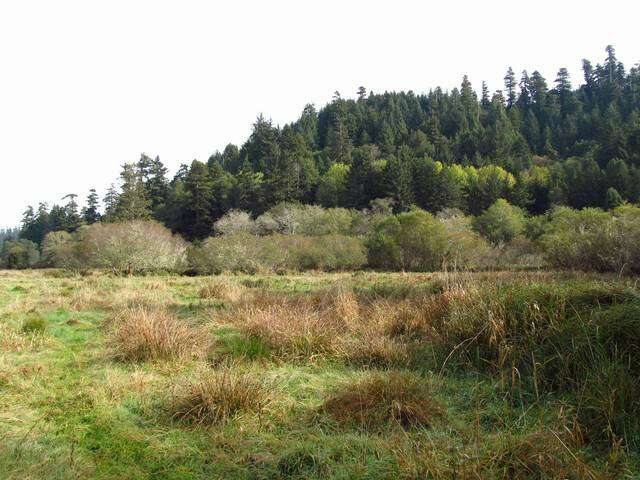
[88, 85]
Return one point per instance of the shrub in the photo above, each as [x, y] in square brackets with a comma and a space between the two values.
[379, 399]
[139, 334]
[591, 239]
[501, 222]
[276, 253]
[233, 253]
[235, 221]
[59, 249]
[127, 247]
[133, 247]
[18, 254]
[218, 396]
[413, 241]
[465, 248]
[312, 220]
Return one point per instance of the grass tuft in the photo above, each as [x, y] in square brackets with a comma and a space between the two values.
[380, 399]
[34, 323]
[224, 290]
[140, 334]
[218, 396]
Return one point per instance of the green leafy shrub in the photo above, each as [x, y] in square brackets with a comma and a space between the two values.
[18, 254]
[591, 239]
[413, 241]
[501, 222]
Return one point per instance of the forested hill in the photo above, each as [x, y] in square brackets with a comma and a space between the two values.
[538, 143]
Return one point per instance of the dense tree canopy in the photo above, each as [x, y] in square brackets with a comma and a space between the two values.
[536, 143]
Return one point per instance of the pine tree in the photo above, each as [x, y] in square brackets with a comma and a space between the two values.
[156, 186]
[197, 216]
[91, 213]
[221, 186]
[510, 87]
[72, 217]
[110, 203]
[132, 203]
[613, 199]
[400, 173]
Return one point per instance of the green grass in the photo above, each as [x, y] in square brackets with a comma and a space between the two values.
[69, 410]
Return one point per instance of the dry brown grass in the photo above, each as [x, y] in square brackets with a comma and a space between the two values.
[380, 399]
[14, 341]
[140, 334]
[291, 332]
[540, 455]
[412, 319]
[225, 290]
[340, 302]
[371, 350]
[295, 327]
[218, 396]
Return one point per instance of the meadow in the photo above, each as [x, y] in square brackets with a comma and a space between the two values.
[530, 374]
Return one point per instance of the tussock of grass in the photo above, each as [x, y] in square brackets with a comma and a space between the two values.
[225, 290]
[380, 399]
[218, 396]
[291, 333]
[340, 302]
[139, 334]
[14, 341]
[371, 350]
[34, 323]
[540, 455]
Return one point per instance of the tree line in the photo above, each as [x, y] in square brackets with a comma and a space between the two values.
[534, 144]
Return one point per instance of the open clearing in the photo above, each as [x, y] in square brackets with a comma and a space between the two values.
[363, 375]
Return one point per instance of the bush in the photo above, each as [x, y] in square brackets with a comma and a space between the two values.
[413, 241]
[60, 250]
[277, 253]
[238, 252]
[465, 248]
[310, 220]
[18, 254]
[501, 222]
[591, 239]
[133, 247]
[235, 221]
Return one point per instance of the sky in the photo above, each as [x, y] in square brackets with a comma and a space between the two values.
[88, 85]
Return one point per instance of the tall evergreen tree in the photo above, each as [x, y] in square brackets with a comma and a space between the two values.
[133, 202]
[197, 216]
[91, 211]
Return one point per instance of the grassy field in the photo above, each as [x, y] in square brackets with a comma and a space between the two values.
[364, 375]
